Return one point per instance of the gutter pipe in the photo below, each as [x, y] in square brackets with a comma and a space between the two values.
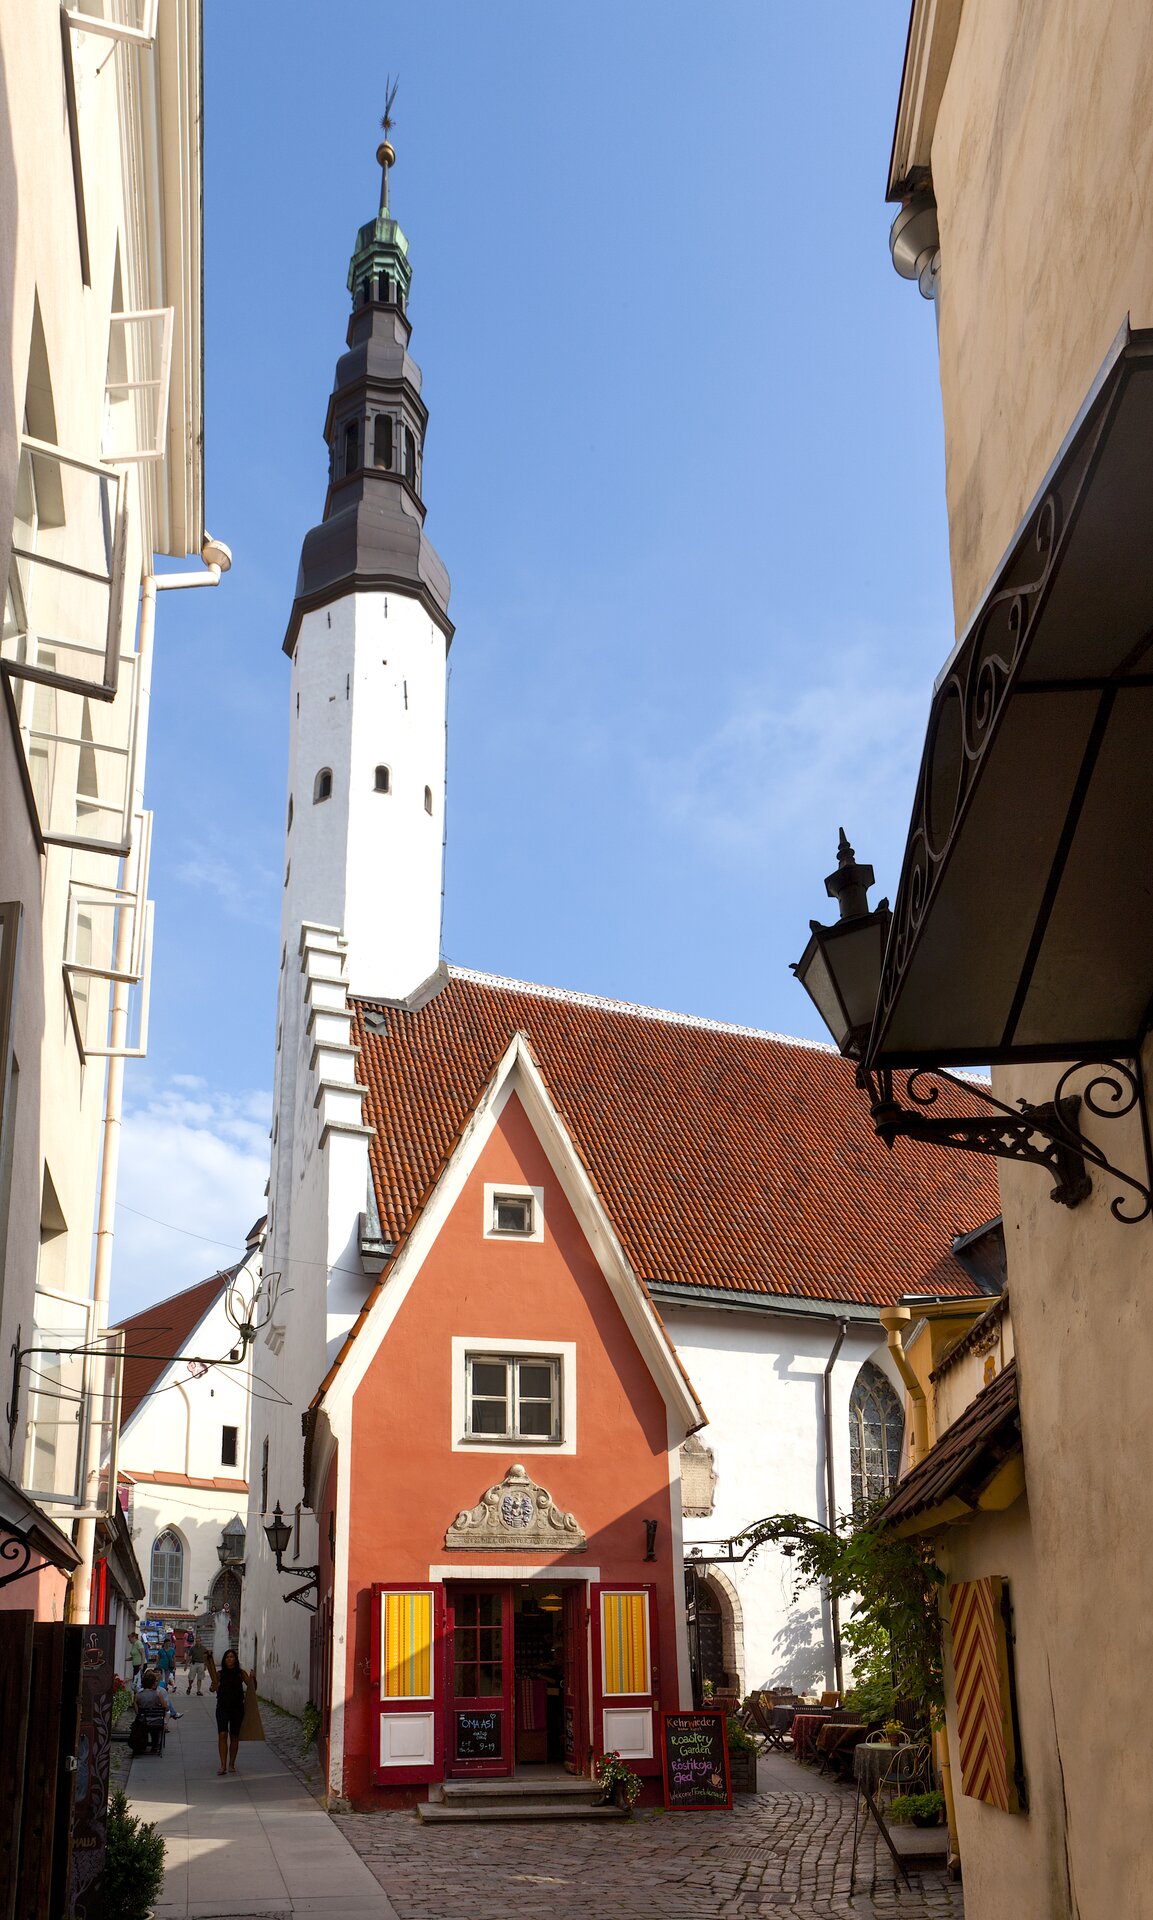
[831, 1495]
[893, 1319]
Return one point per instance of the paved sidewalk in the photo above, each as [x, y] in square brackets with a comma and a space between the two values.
[252, 1846]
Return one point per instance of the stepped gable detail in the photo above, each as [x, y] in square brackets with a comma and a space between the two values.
[726, 1158]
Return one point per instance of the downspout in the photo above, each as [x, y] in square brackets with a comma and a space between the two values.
[831, 1496]
[893, 1319]
[215, 566]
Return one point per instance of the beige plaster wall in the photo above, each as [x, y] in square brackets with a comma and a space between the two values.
[1042, 163]
[1014, 1864]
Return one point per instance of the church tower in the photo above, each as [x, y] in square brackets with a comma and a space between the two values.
[368, 638]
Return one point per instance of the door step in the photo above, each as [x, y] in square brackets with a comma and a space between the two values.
[457, 1801]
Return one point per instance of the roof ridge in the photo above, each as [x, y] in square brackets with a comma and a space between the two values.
[221, 1274]
[571, 997]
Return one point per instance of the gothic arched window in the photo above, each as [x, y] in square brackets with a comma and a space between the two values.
[167, 1570]
[876, 1430]
[382, 780]
[322, 790]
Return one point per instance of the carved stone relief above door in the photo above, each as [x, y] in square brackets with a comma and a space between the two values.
[514, 1515]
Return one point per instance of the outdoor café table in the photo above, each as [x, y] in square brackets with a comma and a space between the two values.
[834, 1735]
[871, 1762]
[780, 1720]
[806, 1727]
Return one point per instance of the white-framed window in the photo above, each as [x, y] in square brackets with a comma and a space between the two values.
[513, 1212]
[513, 1392]
[167, 1576]
[513, 1396]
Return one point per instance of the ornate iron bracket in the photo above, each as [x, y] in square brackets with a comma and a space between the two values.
[13, 1548]
[311, 1581]
[1046, 1136]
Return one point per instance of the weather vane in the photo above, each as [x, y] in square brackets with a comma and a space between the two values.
[386, 153]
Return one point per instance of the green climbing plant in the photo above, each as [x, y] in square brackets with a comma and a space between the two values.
[890, 1588]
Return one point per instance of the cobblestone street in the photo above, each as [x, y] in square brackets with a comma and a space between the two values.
[785, 1850]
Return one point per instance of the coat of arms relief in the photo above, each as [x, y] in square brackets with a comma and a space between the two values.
[514, 1515]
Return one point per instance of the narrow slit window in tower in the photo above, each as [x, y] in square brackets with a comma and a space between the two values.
[428, 799]
[382, 781]
[410, 455]
[382, 441]
[323, 788]
[351, 446]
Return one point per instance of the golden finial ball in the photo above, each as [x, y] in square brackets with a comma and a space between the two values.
[386, 154]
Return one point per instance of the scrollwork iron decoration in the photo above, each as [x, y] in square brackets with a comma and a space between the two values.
[15, 1549]
[1047, 1135]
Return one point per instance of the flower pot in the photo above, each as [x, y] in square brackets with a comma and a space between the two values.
[926, 1819]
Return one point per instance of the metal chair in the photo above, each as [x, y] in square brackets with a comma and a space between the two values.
[909, 1771]
[155, 1720]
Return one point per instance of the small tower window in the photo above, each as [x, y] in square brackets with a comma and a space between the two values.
[382, 441]
[410, 455]
[288, 829]
[428, 799]
[323, 788]
[385, 292]
[382, 780]
[351, 446]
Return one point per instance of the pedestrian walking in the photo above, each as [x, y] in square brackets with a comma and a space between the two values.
[166, 1660]
[136, 1655]
[231, 1684]
[197, 1661]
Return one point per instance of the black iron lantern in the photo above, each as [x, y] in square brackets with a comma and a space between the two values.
[230, 1551]
[840, 968]
[278, 1534]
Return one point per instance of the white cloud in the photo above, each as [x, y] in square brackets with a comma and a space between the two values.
[244, 891]
[842, 750]
[195, 1159]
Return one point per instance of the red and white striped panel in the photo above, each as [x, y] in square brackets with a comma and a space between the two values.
[979, 1665]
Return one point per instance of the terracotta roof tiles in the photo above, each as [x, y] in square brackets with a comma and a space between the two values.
[163, 1329]
[724, 1157]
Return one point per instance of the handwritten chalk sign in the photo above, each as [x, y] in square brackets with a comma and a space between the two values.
[478, 1736]
[695, 1759]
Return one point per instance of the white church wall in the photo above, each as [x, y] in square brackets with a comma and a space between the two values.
[760, 1377]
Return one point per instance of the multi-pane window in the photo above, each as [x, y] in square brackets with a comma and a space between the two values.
[513, 1397]
[876, 1430]
[512, 1213]
[167, 1571]
[478, 1647]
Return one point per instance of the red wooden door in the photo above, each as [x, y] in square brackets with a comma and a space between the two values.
[574, 1698]
[408, 1683]
[625, 1682]
[480, 1680]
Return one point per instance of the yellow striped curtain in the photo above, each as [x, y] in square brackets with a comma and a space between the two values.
[981, 1658]
[625, 1642]
[406, 1646]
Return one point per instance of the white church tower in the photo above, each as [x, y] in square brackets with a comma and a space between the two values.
[368, 639]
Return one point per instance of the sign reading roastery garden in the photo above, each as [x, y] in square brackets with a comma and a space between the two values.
[695, 1758]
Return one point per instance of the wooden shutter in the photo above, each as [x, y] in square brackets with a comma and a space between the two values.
[407, 1683]
[983, 1681]
[625, 1681]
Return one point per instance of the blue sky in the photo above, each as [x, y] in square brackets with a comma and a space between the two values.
[684, 467]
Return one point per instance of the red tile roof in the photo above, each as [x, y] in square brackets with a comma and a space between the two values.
[163, 1329]
[724, 1157]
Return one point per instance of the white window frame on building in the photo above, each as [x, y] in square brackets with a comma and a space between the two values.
[121, 954]
[136, 385]
[84, 19]
[561, 1354]
[64, 1329]
[167, 1605]
[43, 476]
[509, 1193]
[479, 1392]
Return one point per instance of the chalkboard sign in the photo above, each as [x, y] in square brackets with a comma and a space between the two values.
[478, 1736]
[695, 1758]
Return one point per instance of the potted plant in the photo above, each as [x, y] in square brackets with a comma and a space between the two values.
[918, 1809]
[742, 1756]
[621, 1785]
[133, 1863]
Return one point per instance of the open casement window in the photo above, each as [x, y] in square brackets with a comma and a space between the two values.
[136, 388]
[64, 608]
[625, 1683]
[71, 1396]
[108, 942]
[130, 20]
[408, 1682]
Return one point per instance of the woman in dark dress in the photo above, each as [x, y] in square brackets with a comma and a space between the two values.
[229, 1687]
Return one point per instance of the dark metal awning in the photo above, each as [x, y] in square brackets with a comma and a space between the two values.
[1023, 926]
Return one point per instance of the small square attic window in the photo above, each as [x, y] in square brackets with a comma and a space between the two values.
[512, 1213]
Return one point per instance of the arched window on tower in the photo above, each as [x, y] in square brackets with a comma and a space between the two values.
[288, 829]
[384, 289]
[382, 441]
[428, 799]
[167, 1577]
[876, 1430]
[410, 455]
[351, 443]
[322, 790]
[382, 781]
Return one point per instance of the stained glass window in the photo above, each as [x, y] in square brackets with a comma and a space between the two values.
[876, 1430]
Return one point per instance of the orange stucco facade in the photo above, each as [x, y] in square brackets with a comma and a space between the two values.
[410, 1474]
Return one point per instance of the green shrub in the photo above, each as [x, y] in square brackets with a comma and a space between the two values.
[310, 1723]
[121, 1701]
[925, 1807]
[133, 1863]
[739, 1738]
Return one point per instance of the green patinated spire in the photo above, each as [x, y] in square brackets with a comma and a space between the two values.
[380, 259]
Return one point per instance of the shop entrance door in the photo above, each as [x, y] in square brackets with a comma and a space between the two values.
[480, 1724]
